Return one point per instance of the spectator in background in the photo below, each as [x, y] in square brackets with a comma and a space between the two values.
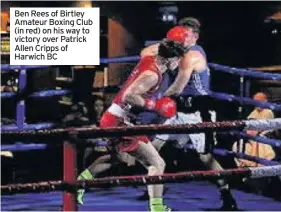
[261, 113]
[86, 113]
[251, 147]
[10, 84]
[96, 107]
[82, 113]
[265, 186]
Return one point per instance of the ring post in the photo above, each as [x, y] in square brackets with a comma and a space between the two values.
[248, 87]
[241, 95]
[69, 175]
[21, 103]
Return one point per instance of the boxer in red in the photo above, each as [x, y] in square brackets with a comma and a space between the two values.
[142, 82]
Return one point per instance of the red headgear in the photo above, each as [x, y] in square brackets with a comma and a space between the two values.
[178, 34]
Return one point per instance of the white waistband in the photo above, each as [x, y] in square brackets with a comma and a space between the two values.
[116, 110]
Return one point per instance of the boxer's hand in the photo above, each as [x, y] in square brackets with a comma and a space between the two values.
[165, 106]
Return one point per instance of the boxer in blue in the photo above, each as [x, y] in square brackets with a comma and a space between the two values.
[191, 87]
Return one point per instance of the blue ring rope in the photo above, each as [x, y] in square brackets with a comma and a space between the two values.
[135, 58]
[19, 147]
[37, 126]
[245, 100]
[224, 152]
[259, 139]
[217, 95]
[244, 72]
[38, 94]
[7, 67]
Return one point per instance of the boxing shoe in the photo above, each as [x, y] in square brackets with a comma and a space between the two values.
[229, 203]
[156, 205]
[85, 175]
[80, 196]
[166, 208]
[160, 208]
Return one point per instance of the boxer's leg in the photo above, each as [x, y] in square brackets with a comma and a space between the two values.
[211, 163]
[126, 158]
[99, 166]
[150, 158]
[87, 153]
[199, 142]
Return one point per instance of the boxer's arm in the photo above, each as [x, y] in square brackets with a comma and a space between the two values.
[151, 50]
[139, 87]
[186, 67]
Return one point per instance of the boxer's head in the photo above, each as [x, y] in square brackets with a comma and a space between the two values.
[193, 27]
[173, 47]
[169, 49]
[180, 35]
[174, 43]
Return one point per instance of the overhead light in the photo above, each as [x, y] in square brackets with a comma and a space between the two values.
[168, 17]
[274, 31]
[164, 17]
[168, 12]
[171, 17]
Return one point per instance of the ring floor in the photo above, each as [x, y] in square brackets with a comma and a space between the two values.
[190, 196]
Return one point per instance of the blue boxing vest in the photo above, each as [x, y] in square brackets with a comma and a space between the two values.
[199, 83]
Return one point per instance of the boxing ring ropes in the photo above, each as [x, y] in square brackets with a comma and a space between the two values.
[43, 132]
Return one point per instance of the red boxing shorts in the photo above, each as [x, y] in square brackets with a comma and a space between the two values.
[127, 143]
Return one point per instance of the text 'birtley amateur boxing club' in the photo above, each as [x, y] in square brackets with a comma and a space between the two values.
[54, 36]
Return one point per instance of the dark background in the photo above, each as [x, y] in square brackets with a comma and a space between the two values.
[233, 33]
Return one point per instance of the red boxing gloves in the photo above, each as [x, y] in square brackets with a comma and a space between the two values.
[165, 106]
